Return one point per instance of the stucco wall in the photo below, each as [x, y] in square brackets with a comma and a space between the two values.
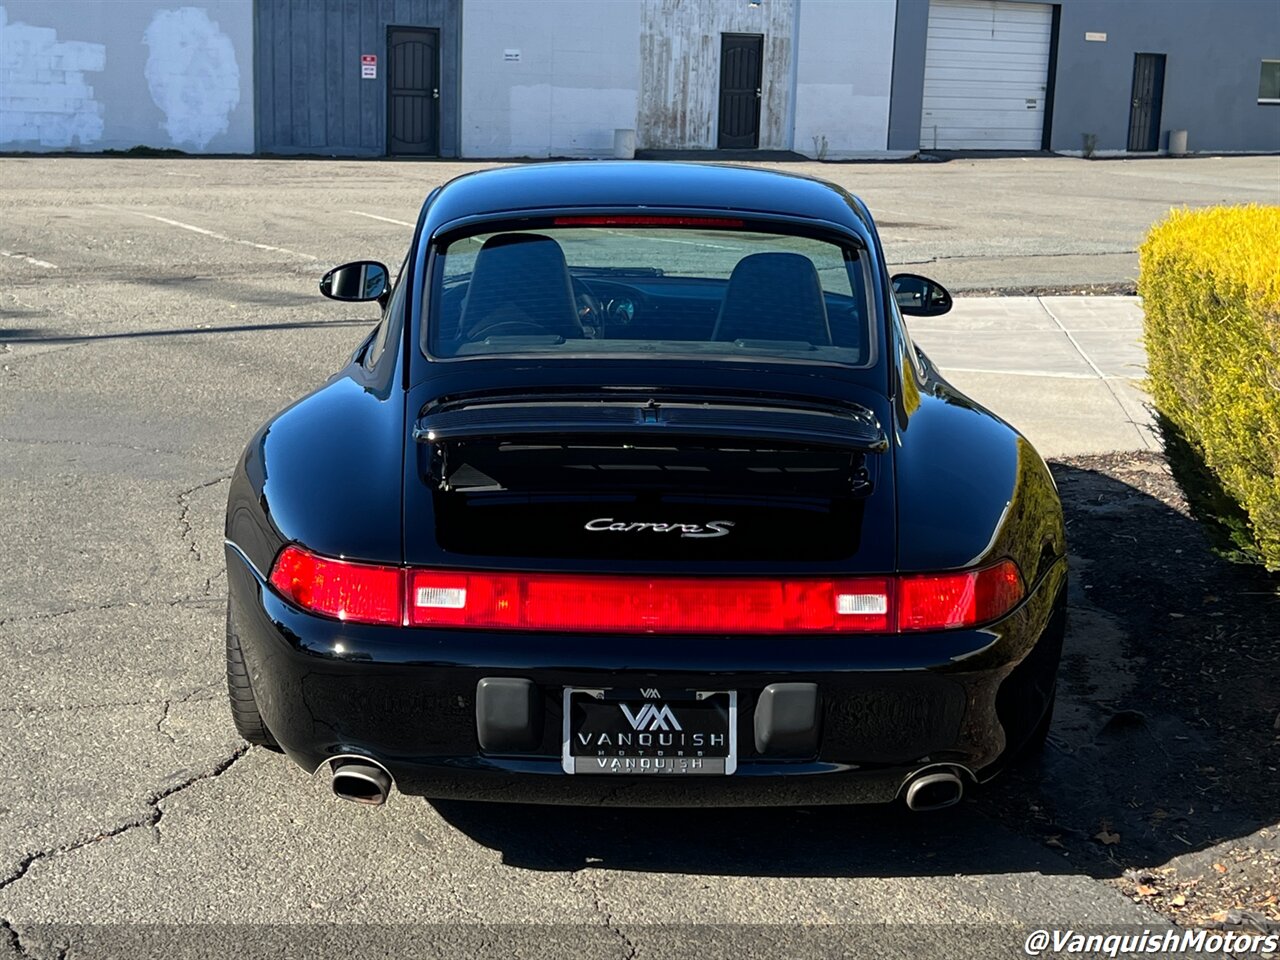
[551, 79]
[844, 66]
[680, 70]
[1213, 50]
[910, 37]
[91, 75]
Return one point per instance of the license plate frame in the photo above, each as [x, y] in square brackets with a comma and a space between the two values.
[659, 761]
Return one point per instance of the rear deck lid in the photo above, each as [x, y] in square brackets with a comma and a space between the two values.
[661, 482]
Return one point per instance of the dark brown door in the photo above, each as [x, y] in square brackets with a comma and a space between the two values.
[413, 92]
[1148, 97]
[740, 61]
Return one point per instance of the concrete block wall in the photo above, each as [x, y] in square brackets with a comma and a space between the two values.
[45, 99]
[95, 75]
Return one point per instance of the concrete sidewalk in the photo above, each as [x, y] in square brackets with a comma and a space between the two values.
[1066, 371]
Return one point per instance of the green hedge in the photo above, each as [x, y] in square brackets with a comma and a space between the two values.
[1210, 286]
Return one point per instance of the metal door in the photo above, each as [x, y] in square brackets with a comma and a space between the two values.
[741, 56]
[986, 75]
[413, 92]
[1148, 96]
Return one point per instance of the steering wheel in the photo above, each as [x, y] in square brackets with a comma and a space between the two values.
[508, 328]
[590, 310]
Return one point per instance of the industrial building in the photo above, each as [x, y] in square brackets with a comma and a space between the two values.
[1098, 76]
[830, 79]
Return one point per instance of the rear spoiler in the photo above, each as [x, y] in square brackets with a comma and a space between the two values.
[652, 422]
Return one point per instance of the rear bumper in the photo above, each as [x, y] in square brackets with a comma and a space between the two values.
[889, 706]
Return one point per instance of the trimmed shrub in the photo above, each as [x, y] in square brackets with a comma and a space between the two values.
[1210, 286]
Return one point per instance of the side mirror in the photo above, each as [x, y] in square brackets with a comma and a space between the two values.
[356, 282]
[919, 296]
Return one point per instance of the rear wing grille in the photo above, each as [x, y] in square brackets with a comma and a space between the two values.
[652, 423]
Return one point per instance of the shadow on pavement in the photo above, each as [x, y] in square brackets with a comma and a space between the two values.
[39, 335]
[1163, 740]
[810, 842]
[1167, 740]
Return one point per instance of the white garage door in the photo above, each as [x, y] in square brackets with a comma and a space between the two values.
[986, 70]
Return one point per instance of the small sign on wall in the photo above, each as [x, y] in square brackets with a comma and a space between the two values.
[368, 66]
[1096, 37]
[510, 56]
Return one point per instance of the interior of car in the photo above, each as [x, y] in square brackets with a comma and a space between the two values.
[519, 290]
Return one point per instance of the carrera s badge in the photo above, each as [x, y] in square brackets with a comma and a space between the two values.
[712, 528]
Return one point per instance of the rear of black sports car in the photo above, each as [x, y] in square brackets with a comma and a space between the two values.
[607, 528]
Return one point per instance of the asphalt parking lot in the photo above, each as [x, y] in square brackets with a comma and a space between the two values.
[154, 312]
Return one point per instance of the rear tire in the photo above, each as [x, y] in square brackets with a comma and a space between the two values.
[1034, 747]
[244, 708]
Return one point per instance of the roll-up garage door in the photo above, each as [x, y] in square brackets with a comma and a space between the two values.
[986, 72]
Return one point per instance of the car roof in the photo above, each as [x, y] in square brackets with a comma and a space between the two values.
[640, 183]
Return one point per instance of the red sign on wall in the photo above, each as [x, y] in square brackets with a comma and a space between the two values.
[368, 66]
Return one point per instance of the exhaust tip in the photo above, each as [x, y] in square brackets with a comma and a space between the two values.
[361, 781]
[934, 791]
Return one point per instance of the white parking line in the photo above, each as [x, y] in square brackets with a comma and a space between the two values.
[690, 243]
[374, 216]
[211, 233]
[31, 260]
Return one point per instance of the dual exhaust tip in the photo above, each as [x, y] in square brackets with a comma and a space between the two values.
[934, 789]
[360, 780]
[365, 781]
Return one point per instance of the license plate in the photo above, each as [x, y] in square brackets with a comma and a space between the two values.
[650, 732]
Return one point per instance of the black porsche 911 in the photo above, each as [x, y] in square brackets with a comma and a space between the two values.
[640, 492]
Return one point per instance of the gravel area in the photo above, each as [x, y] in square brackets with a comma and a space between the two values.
[1161, 772]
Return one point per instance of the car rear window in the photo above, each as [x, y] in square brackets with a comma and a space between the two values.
[697, 288]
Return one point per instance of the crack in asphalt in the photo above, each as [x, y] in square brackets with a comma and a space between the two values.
[196, 602]
[184, 501]
[578, 878]
[113, 704]
[14, 939]
[164, 715]
[151, 820]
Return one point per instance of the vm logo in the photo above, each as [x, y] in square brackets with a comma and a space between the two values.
[651, 717]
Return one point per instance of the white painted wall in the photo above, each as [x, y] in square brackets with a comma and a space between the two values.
[844, 68]
[575, 80]
[96, 75]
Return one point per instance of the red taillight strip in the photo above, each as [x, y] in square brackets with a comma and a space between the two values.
[626, 604]
[342, 589]
[627, 220]
[569, 603]
[945, 601]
